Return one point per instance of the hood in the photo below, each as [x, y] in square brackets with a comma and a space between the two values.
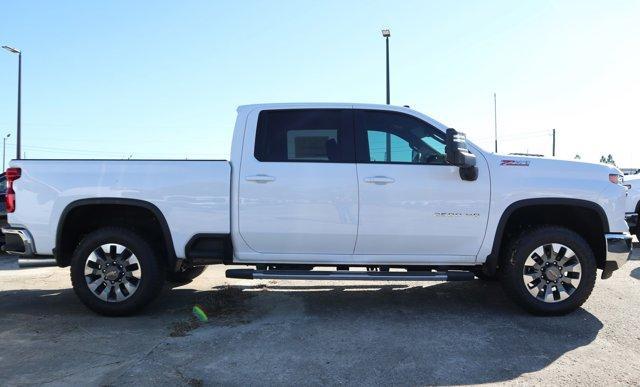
[552, 166]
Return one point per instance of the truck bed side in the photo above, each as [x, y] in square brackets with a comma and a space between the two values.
[193, 196]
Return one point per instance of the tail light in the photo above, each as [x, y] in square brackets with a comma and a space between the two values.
[12, 175]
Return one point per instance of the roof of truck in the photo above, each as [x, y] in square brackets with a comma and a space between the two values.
[340, 105]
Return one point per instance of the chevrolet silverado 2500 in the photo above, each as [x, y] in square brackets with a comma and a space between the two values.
[373, 192]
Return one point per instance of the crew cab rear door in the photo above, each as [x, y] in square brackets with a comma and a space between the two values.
[298, 190]
[413, 205]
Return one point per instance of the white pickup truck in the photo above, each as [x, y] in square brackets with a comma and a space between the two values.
[330, 192]
[633, 203]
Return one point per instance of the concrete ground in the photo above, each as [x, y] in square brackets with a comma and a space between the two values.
[300, 333]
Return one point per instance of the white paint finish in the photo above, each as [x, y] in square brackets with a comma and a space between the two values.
[296, 207]
[307, 203]
[551, 178]
[427, 210]
[193, 196]
[356, 259]
[633, 195]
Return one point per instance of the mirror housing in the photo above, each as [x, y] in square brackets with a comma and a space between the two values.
[457, 153]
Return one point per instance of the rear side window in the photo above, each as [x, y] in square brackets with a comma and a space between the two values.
[305, 135]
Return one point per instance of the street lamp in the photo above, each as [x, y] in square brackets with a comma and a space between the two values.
[386, 33]
[18, 136]
[4, 149]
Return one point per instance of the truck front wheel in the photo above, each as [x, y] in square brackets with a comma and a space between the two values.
[115, 272]
[549, 270]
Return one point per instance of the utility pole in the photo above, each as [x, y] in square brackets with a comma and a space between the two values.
[18, 134]
[553, 151]
[386, 33]
[495, 121]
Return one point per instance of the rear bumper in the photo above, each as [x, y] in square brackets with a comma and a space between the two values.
[18, 241]
[619, 247]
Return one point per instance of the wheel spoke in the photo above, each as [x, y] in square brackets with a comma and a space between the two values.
[133, 280]
[100, 255]
[94, 265]
[100, 288]
[125, 255]
[562, 250]
[113, 251]
[112, 296]
[548, 293]
[566, 258]
[91, 278]
[562, 292]
[571, 265]
[123, 290]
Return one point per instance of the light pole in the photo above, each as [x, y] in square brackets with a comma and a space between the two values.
[495, 121]
[18, 136]
[386, 33]
[4, 149]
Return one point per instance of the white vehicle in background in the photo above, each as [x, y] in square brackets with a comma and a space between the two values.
[633, 202]
[376, 192]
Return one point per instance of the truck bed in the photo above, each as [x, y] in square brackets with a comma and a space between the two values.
[193, 195]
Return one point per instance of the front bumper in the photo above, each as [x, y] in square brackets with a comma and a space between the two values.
[619, 247]
[18, 241]
[632, 220]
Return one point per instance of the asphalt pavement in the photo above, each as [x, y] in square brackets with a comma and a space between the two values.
[315, 333]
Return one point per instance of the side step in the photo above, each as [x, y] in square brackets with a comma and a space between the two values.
[344, 275]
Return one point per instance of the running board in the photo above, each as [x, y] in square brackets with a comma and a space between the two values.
[344, 275]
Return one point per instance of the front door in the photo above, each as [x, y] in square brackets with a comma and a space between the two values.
[412, 202]
[298, 188]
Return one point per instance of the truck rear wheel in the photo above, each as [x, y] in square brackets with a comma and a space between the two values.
[549, 270]
[115, 272]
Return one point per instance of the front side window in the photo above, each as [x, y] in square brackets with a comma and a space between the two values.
[305, 135]
[390, 137]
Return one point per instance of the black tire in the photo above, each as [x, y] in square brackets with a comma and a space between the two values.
[150, 283]
[186, 275]
[513, 264]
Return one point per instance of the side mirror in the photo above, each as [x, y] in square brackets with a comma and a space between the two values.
[457, 153]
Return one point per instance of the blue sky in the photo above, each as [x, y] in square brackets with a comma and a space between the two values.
[162, 79]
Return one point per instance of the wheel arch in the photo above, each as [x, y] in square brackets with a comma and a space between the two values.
[64, 248]
[567, 204]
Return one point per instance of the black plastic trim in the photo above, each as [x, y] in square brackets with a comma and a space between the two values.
[225, 255]
[492, 260]
[166, 232]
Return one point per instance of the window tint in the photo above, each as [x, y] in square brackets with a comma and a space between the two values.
[389, 137]
[311, 135]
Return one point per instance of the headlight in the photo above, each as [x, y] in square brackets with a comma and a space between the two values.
[616, 178]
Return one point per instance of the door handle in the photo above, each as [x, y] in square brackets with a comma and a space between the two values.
[380, 180]
[260, 178]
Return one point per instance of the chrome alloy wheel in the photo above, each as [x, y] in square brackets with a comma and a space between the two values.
[112, 272]
[552, 272]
